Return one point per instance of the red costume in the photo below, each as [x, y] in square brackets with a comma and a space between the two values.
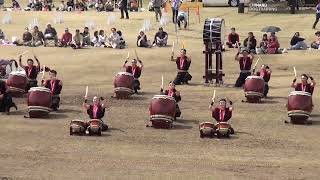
[66, 38]
[306, 88]
[221, 115]
[96, 111]
[136, 72]
[55, 87]
[32, 72]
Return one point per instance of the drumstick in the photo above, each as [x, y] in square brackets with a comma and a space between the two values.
[295, 72]
[255, 65]
[214, 95]
[162, 81]
[43, 70]
[172, 50]
[87, 89]
[128, 55]
[237, 44]
[135, 52]
[25, 52]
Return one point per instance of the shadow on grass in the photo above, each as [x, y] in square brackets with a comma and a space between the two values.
[181, 127]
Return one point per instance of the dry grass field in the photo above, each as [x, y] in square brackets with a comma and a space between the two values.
[262, 148]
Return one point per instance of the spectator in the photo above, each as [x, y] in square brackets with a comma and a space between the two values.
[95, 40]
[37, 37]
[49, 34]
[317, 15]
[77, 40]
[15, 5]
[134, 5]
[161, 38]
[316, 44]
[122, 42]
[114, 39]
[99, 6]
[27, 37]
[250, 42]
[273, 44]
[182, 17]
[123, 8]
[37, 6]
[62, 7]
[156, 5]
[70, 5]
[101, 38]
[262, 49]
[175, 4]
[66, 38]
[86, 36]
[108, 6]
[297, 42]
[233, 39]
[2, 36]
[142, 40]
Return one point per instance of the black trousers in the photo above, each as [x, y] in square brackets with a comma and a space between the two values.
[6, 103]
[266, 89]
[136, 85]
[55, 103]
[174, 15]
[242, 79]
[182, 77]
[316, 21]
[31, 83]
[124, 10]
[178, 112]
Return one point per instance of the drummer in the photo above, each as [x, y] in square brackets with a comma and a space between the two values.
[222, 113]
[96, 110]
[55, 86]
[5, 98]
[135, 70]
[31, 71]
[175, 94]
[304, 85]
[183, 64]
[265, 73]
[245, 61]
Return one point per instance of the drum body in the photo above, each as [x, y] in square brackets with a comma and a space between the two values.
[39, 102]
[123, 85]
[162, 111]
[223, 129]
[77, 127]
[213, 31]
[253, 88]
[206, 129]
[94, 127]
[299, 106]
[17, 82]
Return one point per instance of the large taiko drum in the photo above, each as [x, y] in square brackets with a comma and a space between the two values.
[17, 82]
[94, 127]
[206, 129]
[253, 88]
[78, 127]
[213, 31]
[162, 111]
[299, 106]
[123, 85]
[39, 102]
[223, 129]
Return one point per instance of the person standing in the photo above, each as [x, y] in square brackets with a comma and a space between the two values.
[156, 4]
[317, 15]
[123, 6]
[175, 4]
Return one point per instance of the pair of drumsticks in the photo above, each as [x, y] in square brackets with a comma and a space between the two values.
[44, 67]
[135, 52]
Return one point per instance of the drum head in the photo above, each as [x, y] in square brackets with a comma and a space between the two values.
[18, 73]
[124, 73]
[40, 89]
[214, 30]
[163, 97]
[254, 77]
[301, 93]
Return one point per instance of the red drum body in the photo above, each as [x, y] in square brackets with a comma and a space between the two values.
[77, 127]
[39, 102]
[94, 127]
[17, 82]
[299, 106]
[206, 129]
[123, 85]
[253, 88]
[223, 129]
[162, 111]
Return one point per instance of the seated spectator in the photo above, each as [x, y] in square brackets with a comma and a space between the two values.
[316, 44]
[122, 42]
[95, 40]
[99, 6]
[50, 34]
[80, 6]
[161, 38]
[273, 44]
[142, 40]
[250, 42]
[86, 36]
[133, 5]
[108, 6]
[2, 36]
[37, 37]
[27, 38]
[233, 39]
[114, 39]
[30, 5]
[47, 5]
[62, 6]
[182, 17]
[38, 5]
[77, 40]
[66, 39]
[102, 38]
[70, 5]
[297, 43]
[262, 49]
[15, 5]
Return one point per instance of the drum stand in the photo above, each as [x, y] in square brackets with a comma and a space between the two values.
[211, 73]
